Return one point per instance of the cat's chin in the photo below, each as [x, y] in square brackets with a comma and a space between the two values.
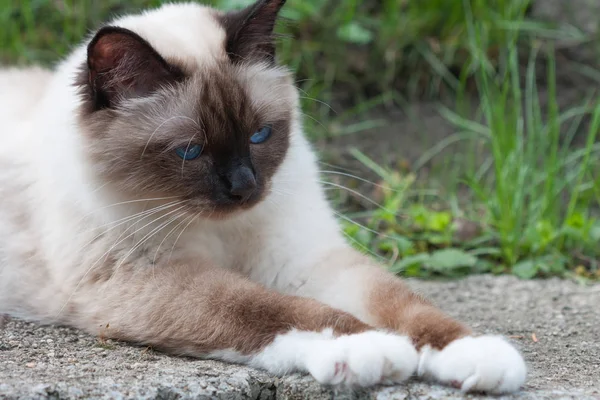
[228, 211]
[229, 208]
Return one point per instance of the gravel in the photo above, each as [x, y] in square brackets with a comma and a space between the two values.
[555, 323]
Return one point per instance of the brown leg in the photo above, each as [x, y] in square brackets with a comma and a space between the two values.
[394, 306]
[210, 312]
[449, 353]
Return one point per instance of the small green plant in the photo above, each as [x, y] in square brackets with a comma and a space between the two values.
[413, 239]
[533, 193]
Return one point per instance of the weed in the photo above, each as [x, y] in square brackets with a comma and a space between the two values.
[533, 195]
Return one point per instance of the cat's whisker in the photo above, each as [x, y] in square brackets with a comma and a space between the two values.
[363, 247]
[186, 150]
[132, 235]
[136, 218]
[203, 130]
[96, 190]
[167, 236]
[139, 217]
[124, 203]
[160, 126]
[360, 179]
[282, 192]
[338, 186]
[104, 256]
[189, 220]
[350, 220]
[145, 239]
[181, 206]
[335, 166]
[257, 72]
[272, 202]
[211, 211]
[153, 264]
[297, 81]
[356, 193]
[300, 90]
[312, 118]
[318, 101]
[133, 216]
[192, 219]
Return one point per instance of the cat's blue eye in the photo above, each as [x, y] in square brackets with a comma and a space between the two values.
[190, 152]
[261, 135]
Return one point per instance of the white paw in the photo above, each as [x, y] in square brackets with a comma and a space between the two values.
[485, 363]
[362, 359]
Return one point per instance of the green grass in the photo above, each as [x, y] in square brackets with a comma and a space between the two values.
[519, 198]
[533, 200]
[360, 48]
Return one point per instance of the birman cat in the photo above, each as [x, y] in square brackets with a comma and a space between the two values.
[156, 187]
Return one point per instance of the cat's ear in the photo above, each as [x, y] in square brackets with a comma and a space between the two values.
[122, 65]
[250, 31]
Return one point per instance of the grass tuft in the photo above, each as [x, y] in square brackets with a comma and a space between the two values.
[520, 196]
[532, 206]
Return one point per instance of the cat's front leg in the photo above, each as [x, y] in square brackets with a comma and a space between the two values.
[448, 351]
[209, 312]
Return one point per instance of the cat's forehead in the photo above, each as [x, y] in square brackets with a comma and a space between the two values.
[193, 37]
[217, 96]
[259, 88]
[210, 89]
[187, 32]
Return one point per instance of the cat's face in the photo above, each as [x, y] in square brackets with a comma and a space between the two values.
[211, 135]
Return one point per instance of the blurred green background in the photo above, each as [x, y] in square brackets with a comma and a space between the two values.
[457, 137]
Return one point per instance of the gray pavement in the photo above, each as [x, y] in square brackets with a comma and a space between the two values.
[555, 323]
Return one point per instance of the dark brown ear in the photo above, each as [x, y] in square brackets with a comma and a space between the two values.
[250, 31]
[123, 65]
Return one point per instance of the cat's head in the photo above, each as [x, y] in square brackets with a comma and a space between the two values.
[188, 104]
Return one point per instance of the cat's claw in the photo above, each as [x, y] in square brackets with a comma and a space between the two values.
[363, 359]
[483, 364]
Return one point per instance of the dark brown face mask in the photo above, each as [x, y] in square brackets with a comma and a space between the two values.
[158, 128]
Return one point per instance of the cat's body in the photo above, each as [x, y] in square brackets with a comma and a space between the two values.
[95, 235]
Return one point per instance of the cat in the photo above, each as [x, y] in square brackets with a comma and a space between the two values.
[157, 188]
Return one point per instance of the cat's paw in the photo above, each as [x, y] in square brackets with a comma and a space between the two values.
[486, 363]
[363, 359]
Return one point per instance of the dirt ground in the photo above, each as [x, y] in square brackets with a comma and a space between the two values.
[555, 323]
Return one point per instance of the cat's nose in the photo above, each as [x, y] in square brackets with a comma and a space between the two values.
[243, 183]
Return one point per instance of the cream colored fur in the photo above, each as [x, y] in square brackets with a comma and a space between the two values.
[52, 212]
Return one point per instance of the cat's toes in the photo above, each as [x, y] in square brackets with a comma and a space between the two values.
[486, 363]
[363, 359]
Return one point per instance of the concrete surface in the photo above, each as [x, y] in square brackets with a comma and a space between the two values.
[555, 323]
